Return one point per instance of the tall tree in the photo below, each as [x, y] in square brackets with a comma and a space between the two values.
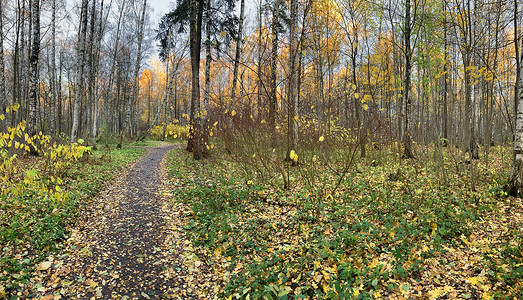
[239, 43]
[3, 100]
[407, 52]
[273, 98]
[519, 60]
[204, 113]
[516, 175]
[81, 61]
[135, 93]
[516, 178]
[53, 85]
[191, 12]
[292, 138]
[445, 78]
[196, 13]
[91, 93]
[33, 75]
[94, 67]
[352, 20]
[467, 41]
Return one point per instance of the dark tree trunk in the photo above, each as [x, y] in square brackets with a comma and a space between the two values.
[33, 75]
[407, 142]
[194, 141]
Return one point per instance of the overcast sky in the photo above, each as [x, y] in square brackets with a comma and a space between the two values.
[160, 8]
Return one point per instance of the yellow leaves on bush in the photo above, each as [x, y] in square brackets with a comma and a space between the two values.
[43, 181]
[172, 130]
[15, 106]
[293, 156]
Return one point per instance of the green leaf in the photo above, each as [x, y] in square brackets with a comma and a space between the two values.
[375, 282]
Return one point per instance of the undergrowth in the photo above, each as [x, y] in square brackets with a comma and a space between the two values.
[390, 229]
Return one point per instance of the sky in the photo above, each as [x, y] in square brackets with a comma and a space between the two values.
[160, 8]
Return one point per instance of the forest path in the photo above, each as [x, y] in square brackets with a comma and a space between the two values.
[126, 244]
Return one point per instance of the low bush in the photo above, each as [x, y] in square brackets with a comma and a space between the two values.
[172, 131]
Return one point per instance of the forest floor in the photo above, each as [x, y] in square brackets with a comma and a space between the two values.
[394, 229]
[172, 227]
[126, 244]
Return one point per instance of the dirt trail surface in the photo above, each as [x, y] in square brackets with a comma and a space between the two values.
[128, 243]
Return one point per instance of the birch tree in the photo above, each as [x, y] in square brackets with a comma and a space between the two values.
[33, 75]
[273, 98]
[3, 100]
[53, 85]
[516, 177]
[81, 60]
[208, 59]
[134, 97]
[292, 134]
[239, 43]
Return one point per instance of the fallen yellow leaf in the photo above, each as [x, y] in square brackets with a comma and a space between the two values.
[473, 280]
[92, 283]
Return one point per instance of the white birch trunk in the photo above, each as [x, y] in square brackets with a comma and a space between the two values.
[80, 71]
[238, 51]
[53, 68]
[134, 97]
[516, 178]
[95, 67]
[3, 100]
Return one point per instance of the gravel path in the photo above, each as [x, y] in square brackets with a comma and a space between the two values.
[123, 247]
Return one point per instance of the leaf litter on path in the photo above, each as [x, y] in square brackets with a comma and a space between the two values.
[127, 244]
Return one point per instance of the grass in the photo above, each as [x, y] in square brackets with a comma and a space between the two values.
[33, 224]
[393, 228]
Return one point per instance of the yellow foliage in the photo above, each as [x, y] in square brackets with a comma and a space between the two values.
[44, 181]
[174, 131]
[293, 155]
